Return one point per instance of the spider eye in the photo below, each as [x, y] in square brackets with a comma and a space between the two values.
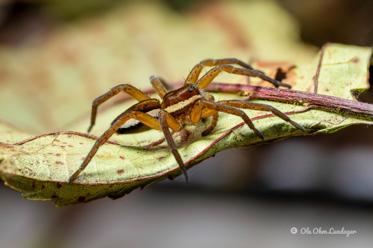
[192, 88]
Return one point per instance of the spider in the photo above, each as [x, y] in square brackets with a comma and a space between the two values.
[188, 104]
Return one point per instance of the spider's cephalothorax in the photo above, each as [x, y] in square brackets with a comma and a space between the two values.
[177, 101]
[185, 105]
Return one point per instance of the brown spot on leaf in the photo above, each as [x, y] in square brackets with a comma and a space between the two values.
[59, 162]
[120, 172]
[355, 60]
[162, 157]
[122, 157]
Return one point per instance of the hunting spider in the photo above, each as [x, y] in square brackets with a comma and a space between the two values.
[185, 105]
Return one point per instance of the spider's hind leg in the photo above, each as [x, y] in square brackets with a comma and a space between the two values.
[233, 111]
[262, 107]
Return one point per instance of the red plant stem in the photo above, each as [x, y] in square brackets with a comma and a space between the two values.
[317, 101]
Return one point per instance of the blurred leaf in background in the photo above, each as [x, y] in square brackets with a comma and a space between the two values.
[50, 81]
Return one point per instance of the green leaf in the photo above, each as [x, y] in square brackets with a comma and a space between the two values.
[40, 166]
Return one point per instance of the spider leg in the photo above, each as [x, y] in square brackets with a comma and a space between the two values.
[164, 119]
[129, 89]
[132, 113]
[214, 122]
[159, 85]
[205, 80]
[262, 107]
[196, 70]
[198, 111]
[233, 111]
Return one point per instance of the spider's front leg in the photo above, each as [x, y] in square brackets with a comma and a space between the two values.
[204, 81]
[197, 69]
[127, 88]
[224, 65]
[135, 112]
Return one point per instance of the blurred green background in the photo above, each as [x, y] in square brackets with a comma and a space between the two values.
[57, 56]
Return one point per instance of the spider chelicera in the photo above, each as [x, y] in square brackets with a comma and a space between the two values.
[188, 104]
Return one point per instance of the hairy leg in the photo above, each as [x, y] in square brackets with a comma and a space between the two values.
[261, 107]
[159, 85]
[199, 111]
[233, 111]
[132, 113]
[164, 121]
[196, 112]
[214, 122]
[205, 80]
[129, 89]
[196, 70]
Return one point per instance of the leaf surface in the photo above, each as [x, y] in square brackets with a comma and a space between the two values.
[40, 166]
